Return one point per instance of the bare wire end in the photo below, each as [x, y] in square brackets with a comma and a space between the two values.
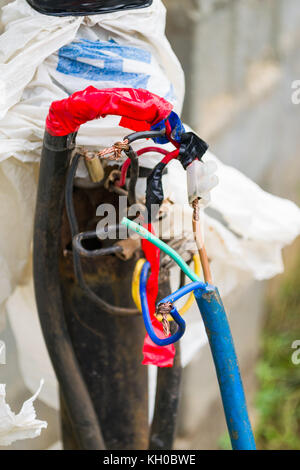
[164, 309]
[115, 151]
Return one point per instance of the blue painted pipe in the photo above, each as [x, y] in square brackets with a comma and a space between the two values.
[226, 364]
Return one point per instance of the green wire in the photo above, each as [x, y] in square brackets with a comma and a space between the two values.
[163, 246]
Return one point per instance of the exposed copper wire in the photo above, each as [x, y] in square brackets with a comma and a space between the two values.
[199, 242]
[164, 310]
[115, 151]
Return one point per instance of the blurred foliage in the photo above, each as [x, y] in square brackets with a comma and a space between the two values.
[224, 442]
[278, 396]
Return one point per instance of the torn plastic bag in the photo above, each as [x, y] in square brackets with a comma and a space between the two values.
[18, 184]
[23, 425]
[47, 58]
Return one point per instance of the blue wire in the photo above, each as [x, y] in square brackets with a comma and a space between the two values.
[186, 289]
[222, 348]
[146, 314]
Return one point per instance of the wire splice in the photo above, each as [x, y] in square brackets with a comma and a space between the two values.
[146, 315]
[136, 294]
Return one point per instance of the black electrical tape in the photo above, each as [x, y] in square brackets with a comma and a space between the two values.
[145, 172]
[191, 147]
[154, 191]
[83, 8]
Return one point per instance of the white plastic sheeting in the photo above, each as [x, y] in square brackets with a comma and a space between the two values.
[126, 48]
[46, 58]
[23, 425]
[32, 353]
[18, 182]
[35, 70]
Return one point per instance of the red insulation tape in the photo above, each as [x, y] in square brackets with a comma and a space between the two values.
[139, 109]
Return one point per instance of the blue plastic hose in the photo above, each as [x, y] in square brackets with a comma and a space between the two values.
[226, 364]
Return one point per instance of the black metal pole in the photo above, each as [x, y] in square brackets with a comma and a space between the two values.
[47, 245]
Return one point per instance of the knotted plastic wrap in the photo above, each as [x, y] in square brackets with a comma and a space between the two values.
[91, 7]
[191, 148]
[139, 109]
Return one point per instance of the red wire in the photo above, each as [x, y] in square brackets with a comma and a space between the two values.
[152, 149]
[168, 155]
[124, 170]
[168, 133]
[126, 164]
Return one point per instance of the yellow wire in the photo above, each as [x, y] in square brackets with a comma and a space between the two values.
[191, 298]
[135, 286]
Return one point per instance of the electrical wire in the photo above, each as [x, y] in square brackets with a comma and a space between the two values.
[76, 257]
[133, 175]
[124, 170]
[146, 314]
[135, 285]
[191, 298]
[170, 156]
[144, 135]
[186, 290]
[136, 294]
[152, 149]
[163, 246]
[127, 162]
[199, 242]
[168, 134]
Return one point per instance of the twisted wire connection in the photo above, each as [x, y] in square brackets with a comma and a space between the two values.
[115, 151]
[199, 242]
[195, 206]
[146, 314]
[164, 309]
